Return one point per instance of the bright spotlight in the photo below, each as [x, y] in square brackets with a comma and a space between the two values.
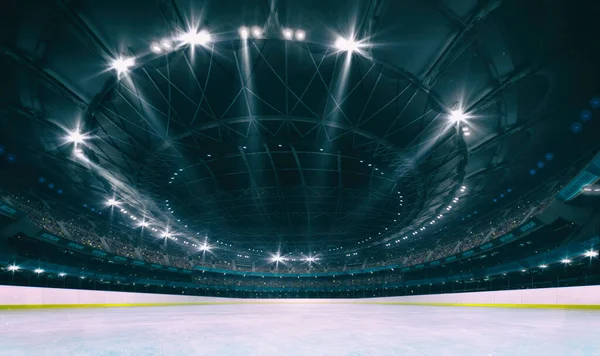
[122, 65]
[62, 274]
[38, 271]
[196, 38]
[288, 34]
[144, 224]
[13, 268]
[348, 45]
[156, 48]
[112, 202]
[76, 137]
[204, 247]
[310, 259]
[543, 266]
[300, 35]
[591, 254]
[458, 116]
[166, 44]
[277, 258]
[466, 133]
[565, 260]
[244, 33]
[256, 32]
[166, 234]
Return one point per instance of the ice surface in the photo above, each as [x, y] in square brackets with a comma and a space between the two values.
[290, 330]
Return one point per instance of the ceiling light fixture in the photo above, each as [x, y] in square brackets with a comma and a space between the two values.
[196, 38]
[256, 32]
[300, 35]
[346, 44]
[76, 137]
[156, 48]
[166, 44]
[122, 65]
[244, 33]
[591, 254]
[458, 116]
[288, 34]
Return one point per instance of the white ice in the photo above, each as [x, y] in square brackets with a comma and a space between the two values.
[290, 330]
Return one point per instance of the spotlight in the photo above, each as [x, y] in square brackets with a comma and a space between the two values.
[122, 65]
[256, 32]
[76, 137]
[196, 38]
[565, 260]
[591, 254]
[458, 116]
[244, 33]
[466, 133]
[543, 266]
[13, 268]
[167, 44]
[112, 202]
[144, 224]
[277, 258]
[62, 274]
[300, 35]
[38, 271]
[156, 48]
[288, 34]
[348, 45]
[465, 128]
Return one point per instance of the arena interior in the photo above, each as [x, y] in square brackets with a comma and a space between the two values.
[286, 177]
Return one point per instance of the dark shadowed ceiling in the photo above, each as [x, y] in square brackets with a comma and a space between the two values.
[275, 143]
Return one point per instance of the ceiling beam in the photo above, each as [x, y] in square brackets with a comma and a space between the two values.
[459, 42]
[304, 190]
[47, 79]
[254, 187]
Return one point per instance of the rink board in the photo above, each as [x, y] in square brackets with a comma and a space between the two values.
[12, 297]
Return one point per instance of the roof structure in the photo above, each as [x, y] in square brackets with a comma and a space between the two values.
[254, 125]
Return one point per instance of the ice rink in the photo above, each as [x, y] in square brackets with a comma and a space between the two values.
[301, 329]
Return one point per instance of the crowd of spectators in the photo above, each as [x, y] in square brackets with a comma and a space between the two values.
[153, 255]
[375, 280]
[119, 242]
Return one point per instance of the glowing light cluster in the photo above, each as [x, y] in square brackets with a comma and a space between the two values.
[348, 45]
[457, 116]
[76, 137]
[123, 65]
[290, 34]
[162, 46]
[196, 38]
[254, 32]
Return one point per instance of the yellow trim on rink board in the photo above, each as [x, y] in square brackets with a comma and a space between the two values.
[121, 305]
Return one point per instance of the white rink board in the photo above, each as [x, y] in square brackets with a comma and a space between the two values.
[11, 295]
